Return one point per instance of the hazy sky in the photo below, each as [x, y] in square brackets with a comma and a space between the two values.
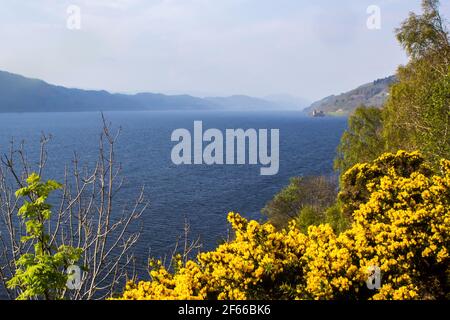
[205, 47]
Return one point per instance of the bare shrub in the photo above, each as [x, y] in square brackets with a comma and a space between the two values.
[85, 215]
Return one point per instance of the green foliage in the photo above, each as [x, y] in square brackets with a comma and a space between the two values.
[422, 35]
[333, 216]
[417, 114]
[285, 205]
[40, 274]
[316, 193]
[309, 216]
[363, 140]
[309, 201]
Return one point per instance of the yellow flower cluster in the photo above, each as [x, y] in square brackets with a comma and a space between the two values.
[401, 225]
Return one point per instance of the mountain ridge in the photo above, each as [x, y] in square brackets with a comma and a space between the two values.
[373, 93]
[22, 94]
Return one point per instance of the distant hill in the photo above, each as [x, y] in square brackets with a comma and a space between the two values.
[242, 103]
[21, 94]
[288, 101]
[370, 94]
[158, 101]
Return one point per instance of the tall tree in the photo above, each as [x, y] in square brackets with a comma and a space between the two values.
[362, 141]
[417, 114]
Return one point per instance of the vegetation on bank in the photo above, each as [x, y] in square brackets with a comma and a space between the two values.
[401, 224]
[416, 115]
[392, 210]
[388, 209]
[373, 94]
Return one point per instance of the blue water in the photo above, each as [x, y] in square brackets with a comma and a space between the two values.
[203, 194]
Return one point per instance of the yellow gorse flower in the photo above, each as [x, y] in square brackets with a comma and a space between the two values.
[401, 223]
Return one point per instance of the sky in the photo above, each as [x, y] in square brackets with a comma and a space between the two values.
[307, 49]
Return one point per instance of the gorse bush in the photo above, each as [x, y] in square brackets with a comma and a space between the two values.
[401, 224]
[356, 183]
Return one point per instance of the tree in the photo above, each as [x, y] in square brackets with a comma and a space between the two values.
[41, 274]
[417, 113]
[314, 193]
[362, 141]
[314, 216]
[425, 35]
